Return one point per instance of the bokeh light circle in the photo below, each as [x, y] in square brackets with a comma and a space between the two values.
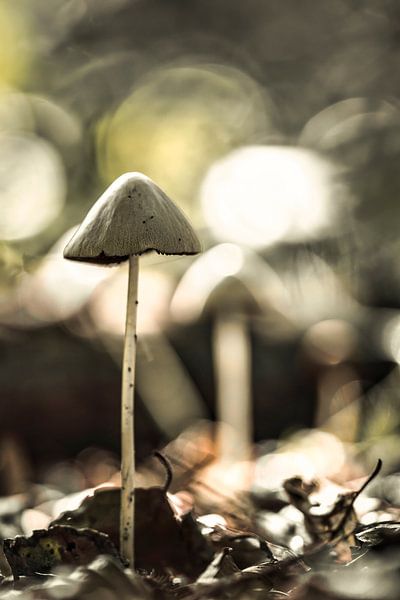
[60, 288]
[177, 121]
[258, 195]
[32, 186]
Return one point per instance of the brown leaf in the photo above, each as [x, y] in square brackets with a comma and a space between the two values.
[221, 566]
[328, 524]
[59, 545]
[103, 579]
[162, 540]
[333, 524]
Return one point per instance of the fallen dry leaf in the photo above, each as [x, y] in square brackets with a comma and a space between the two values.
[59, 545]
[163, 540]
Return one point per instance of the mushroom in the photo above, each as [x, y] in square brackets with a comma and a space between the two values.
[131, 217]
[233, 285]
[232, 303]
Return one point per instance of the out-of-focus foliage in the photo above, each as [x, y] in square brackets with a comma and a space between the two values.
[18, 45]
[181, 119]
[276, 127]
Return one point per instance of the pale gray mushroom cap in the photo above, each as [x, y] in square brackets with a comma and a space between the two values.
[228, 277]
[132, 216]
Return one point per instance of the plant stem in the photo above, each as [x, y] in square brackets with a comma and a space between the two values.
[232, 359]
[127, 515]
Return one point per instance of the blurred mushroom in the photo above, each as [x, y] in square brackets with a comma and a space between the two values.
[233, 285]
[57, 289]
[132, 216]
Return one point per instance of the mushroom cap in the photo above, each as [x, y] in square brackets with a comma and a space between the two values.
[132, 216]
[228, 278]
[234, 294]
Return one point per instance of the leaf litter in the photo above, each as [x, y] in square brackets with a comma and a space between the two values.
[201, 543]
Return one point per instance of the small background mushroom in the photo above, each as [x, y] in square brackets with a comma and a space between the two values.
[235, 286]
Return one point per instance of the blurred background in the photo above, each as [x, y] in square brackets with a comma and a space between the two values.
[276, 128]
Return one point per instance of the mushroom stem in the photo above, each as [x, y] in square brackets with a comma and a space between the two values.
[127, 515]
[231, 350]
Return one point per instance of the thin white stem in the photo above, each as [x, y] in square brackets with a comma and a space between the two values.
[231, 350]
[127, 515]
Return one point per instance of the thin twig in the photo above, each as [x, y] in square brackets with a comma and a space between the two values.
[346, 514]
[168, 469]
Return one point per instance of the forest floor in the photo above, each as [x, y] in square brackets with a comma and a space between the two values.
[200, 534]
